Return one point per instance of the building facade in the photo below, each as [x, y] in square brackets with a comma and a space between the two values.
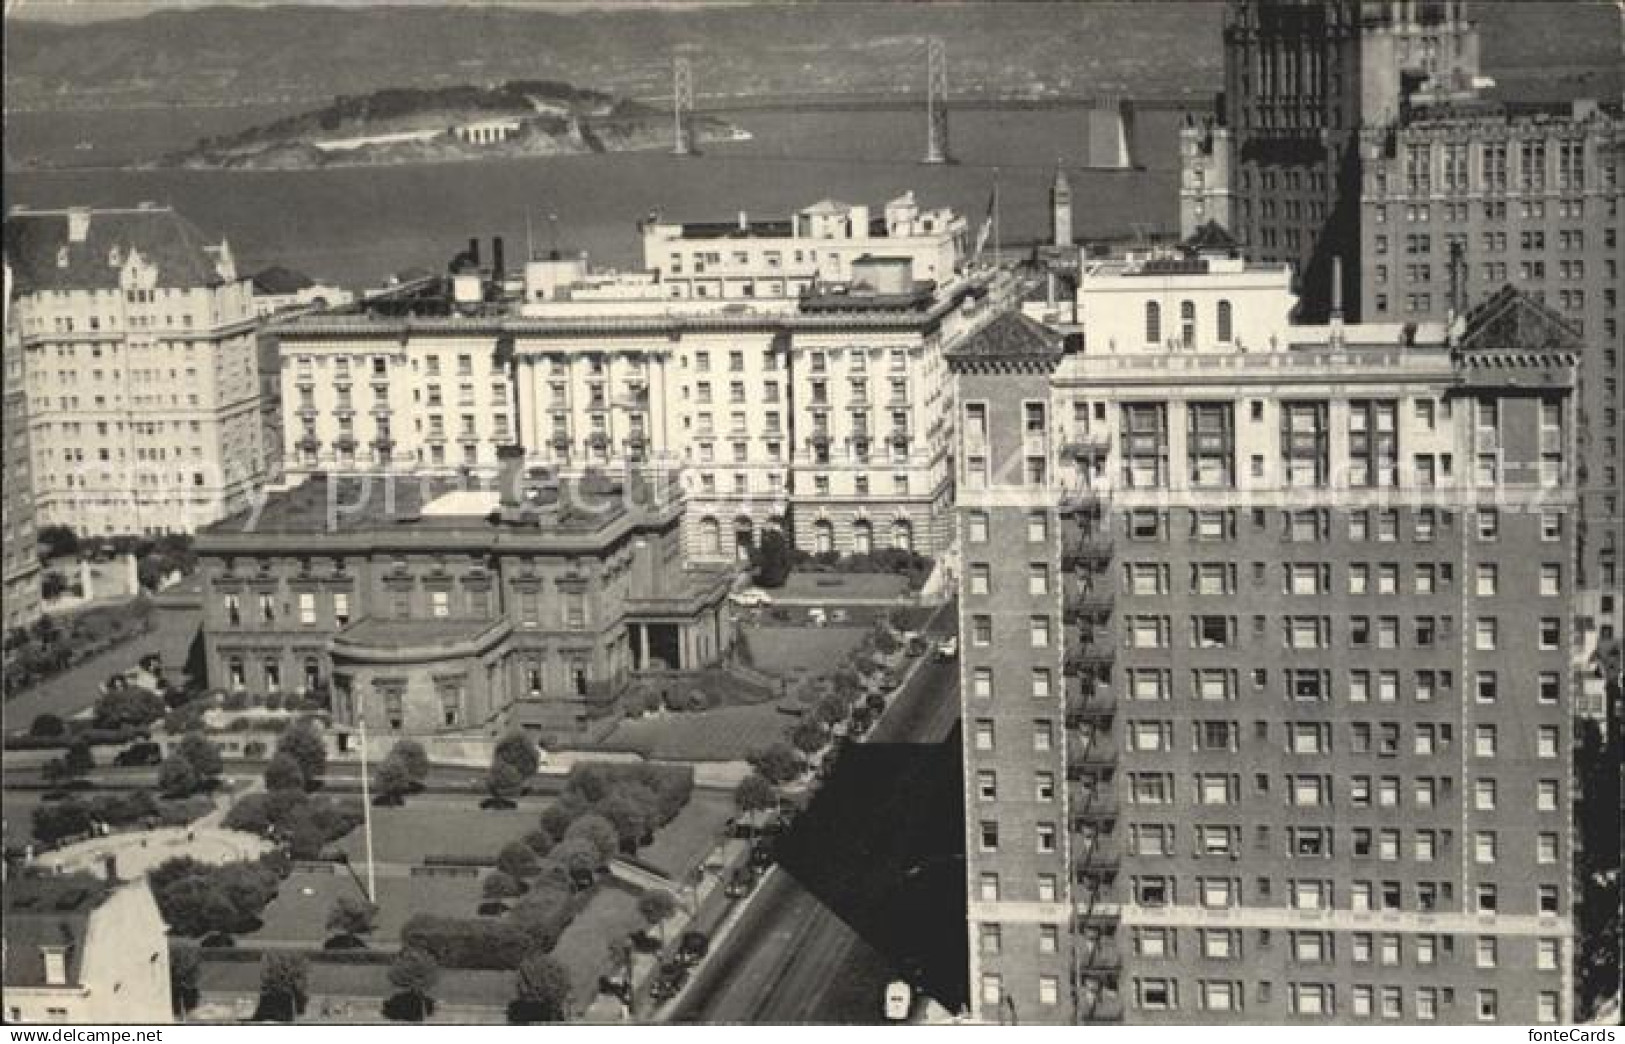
[19, 550]
[1460, 201]
[818, 244]
[1265, 678]
[1361, 131]
[443, 608]
[807, 403]
[79, 951]
[139, 364]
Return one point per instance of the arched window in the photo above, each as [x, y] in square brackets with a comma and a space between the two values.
[863, 537]
[902, 535]
[1226, 331]
[1187, 323]
[710, 536]
[1153, 322]
[744, 537]
[823, 537]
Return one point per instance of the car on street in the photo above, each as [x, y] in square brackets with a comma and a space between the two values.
[916, 646]
[740, 883]
[693, 947]
[948, 648]
[141, 753]
[751, 598]
[669, 981]
[899, 999]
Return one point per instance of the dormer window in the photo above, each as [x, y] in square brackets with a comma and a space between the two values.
[62, 257]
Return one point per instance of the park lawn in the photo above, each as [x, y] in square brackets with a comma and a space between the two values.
[725, 734]
[680, 845]
[294, 916]
[803, 650]
[411, 832]
[611, 914]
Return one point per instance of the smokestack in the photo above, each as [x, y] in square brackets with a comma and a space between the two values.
[497, 269]
[474, 251]
[744, 221]
[1337, 288]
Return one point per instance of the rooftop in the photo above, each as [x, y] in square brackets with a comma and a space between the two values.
[44, 913]
[278, 280]
[85, 249]
[368, 503]
[1010, 335]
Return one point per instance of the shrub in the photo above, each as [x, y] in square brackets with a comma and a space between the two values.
[47, 726]
[456, 942]
[499, 884]
[541, 991]
[518, 750]
[598, 832]
[777, 764]
[516, 860]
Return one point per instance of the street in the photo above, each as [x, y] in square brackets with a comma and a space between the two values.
[869, 885]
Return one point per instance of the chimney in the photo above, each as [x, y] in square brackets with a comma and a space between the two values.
[510, 476]
[744, 221]
[497, 269]
[474, 251]
[78, 224]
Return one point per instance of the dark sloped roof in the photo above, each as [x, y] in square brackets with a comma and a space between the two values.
[1509, 320]
[1212, 238]
[44, 912]
[34, 245]
[1010, 335]
[278, 280]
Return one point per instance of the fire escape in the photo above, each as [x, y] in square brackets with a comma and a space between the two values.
[1091, 746]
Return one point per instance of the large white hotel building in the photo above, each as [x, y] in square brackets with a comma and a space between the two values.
[792, 370]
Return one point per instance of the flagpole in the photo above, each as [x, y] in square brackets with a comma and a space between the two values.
[366, 815]
[996, 256]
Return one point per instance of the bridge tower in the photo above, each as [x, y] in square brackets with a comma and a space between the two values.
[682, 106]
[936, 104]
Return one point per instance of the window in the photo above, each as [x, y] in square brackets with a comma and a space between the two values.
[1153, 323]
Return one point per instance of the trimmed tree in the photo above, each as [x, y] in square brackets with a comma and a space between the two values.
[655, 907]
[414, 974]
[203, 755]
[541, 991]
[770, 559]
[518, 750]
[598, 832]
[499, 885]
[392, 781]
[284, 773]
[351, 915]
[503, 781]
[185, 972]
[580, 859]
[284, 985]
[778, 764]
[516, 860]
[755, 794]
[411, 756]
[302, 742]
[176, 777]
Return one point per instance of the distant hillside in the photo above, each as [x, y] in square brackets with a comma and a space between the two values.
[222, 56]
[310, 54]
[415, 125]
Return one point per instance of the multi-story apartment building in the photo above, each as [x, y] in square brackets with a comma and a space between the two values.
[19, 551]
[80, 950]
[1462, 200]
[813, 403]
[1265, 682]
[139, 362]
[434, 607]
[1360, 131]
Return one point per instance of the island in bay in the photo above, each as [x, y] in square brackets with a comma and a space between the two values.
[434, 125]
